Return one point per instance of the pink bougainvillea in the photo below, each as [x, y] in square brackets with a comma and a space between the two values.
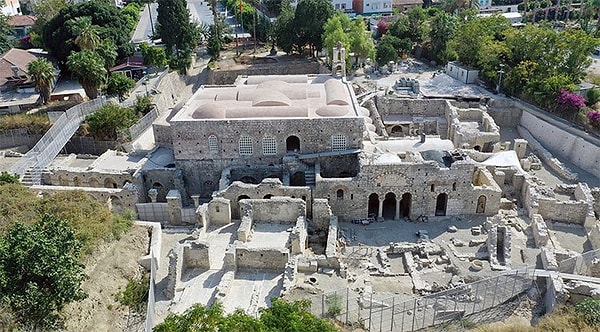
[594, 118]
[570, 100]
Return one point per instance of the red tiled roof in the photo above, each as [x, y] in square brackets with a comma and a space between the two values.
[14, 58]
[21, 20]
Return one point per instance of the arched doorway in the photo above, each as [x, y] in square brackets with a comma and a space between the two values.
[94, 183]
[397, 131]
[405, 205]
[481, 204]
[297, 179]
[389, 206]
[440, 204]
[373, 205]
[116, 205]
[242, 197]
[339, 194]
[267, 196]
[110, 183]
[292, 144]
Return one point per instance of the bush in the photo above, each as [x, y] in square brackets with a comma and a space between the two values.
[143, 104]
[35, 124]
[334, 305]
[593, 96]
[590, 309]
[6, 177]
[594, 118]
[106, 122]
[135, 295]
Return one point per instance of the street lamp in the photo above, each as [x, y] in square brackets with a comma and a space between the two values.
[500, 72]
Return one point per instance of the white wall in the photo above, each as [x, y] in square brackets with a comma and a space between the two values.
[581, 153]
[11, 8]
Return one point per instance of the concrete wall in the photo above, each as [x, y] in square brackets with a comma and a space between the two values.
[578, 151]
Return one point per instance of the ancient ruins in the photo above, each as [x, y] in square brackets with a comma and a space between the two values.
[304, 185]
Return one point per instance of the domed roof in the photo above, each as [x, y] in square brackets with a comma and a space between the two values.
[270, 98]
[210, 111]
[327, 111]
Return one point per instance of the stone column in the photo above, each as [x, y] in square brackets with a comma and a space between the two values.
[380, 213]
[196, 199]
[397, 217]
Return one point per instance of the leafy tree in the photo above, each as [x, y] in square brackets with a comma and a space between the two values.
[46, 9]
[214, 44]
[59, 38]
[334, 33]
[285, 32]
[87, 37]
[309, 20]
[143, 104]
[593, 96]
[107, 121]
[118, 85]
[177, 32]
[40, 271]
[442, 30]
[5, 32]
[42, 74]
[385, 53]
[132, 13]
[474, 33]
[107, 50]
[88, 68]
[153, 56]
[361, 43]
[293, 316]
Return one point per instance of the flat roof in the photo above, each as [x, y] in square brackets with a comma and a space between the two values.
[275, 97]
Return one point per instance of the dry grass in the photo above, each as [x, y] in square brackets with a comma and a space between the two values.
[35, 124]
[564, 319]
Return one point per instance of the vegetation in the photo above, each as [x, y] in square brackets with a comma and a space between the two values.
[108, 120]
[59, 33]
[135, 295]
[282, 316]
[39, 270]
[88, 68]
[6, 177]
[334, 305]
[177, 32]
[153, 56]
[5, 32]
[352, 34]
[143, 105]
[118, 85]
[42, 74]
[35, 124]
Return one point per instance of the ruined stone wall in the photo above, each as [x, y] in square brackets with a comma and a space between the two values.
[196, 255]
[274, 187]
[261, 258]
[504, 112]
[340, 166]
[414, 107]
[281, 210]
[596, 194]
[74, 177]
[162, 180]
[117, 200]
[222, 77]
[424, 182]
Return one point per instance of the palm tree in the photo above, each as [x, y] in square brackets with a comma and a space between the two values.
[87, 33]
[42, 74]
[88, 68]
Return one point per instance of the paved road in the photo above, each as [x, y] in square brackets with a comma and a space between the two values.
[143, 30]
[200, 11]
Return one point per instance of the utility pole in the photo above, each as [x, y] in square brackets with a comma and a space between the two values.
[500, 72]
[151, 23]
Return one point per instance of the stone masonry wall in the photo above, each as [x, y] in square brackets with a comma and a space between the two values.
[275, 210]
[261, 258]
[415, 107]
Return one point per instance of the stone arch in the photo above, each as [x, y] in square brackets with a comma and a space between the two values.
[441, 204]
[116, 205]
[339, 194]
[373, 205]
[110, 183]
[405, 204]
[240, 197]
[397, 131]
[94, 183]
[249, 179]
[292, 144]
[268, 196]
[477, 148]
[76, 181]
[298, 179]
[62, 180]
[389, 206]
[481, 204]
[157, 185]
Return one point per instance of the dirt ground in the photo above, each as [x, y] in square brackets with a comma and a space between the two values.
[108, 269]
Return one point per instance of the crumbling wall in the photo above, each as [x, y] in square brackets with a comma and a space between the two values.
[415, 107]
[321, 214]
[196, 255]
[574, 212]
[282, 210]
[117, 200]
[261, 258]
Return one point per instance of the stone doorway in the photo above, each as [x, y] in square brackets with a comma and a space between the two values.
[298, 179]
[441, 204]
[373, 207]
[405, 203]
[389, 206]
[292, 144]
[481, 204]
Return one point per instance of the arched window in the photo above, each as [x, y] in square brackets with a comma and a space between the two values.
[338, 142]
[246, 146]
[339, 194]
[432, 188]
[269, 146]
[454, 186]
[213, 144]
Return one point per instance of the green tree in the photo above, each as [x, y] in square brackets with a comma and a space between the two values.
[42, 74]
[5, 31]
[88, 68]
[86, 34]
[153, 56]
[285, 34]
[59, 38]
[309, 22]
[293, 316]
[107, 50]
[177, 32]
[6, 177]
[107, 121]
[361, 43]
[334, 33]
[118, 85]
[385, 53]
[46, 9]
[442, 31]
[40, 271]
[214, 44]
[473, 33]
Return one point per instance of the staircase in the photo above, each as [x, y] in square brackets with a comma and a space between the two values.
[309, 177]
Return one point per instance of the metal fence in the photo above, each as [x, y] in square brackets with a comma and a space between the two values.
[139, 127]
[48, 147]
[482, 301]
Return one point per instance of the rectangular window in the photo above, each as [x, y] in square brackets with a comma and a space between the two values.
[338, 143]
[213, 145]
[246, 146]
[269, 146]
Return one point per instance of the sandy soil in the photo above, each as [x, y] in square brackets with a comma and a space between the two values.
[109, 269]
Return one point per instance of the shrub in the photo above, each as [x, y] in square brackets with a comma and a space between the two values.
[6, 177]
[334, 305]
[594, 118]
[570, 100]
[143, 104]
[35, 124]
[135, 295]
[593, 96]
[106, 122]
[590, 309]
